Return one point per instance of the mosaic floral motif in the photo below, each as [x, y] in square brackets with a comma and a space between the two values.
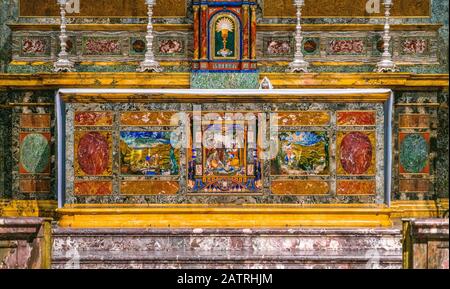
[310, 45]
[34, 153]
[356, 153]
[35, 46]
[302, 153]
[93, 118]
[356, 118]
[93, 188]
[93, 153]
[71, 46]
[148, 153]
[414, 153]
[138, 46]
[170, 46]
[414, 46]
[380, 45]
[346, 46]
[278, 47]
[102, 46]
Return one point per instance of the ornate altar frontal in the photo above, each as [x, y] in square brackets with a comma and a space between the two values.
[323, 146]
[267, 147]
[296, 133]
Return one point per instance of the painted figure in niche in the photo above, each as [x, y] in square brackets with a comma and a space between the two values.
[222, 161]
[225, 37]
[302, 153]
[225, 156]
[227, 164]
[148, 153]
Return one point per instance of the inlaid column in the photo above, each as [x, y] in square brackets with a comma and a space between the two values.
[32, 147]
[204, 29]
[196, 32]
[246, 29]
[253, 33]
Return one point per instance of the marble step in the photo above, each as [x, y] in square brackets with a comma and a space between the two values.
[184, 260]
[227, 248]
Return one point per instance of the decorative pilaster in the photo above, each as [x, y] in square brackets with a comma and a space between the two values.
[196, 32]
[253, 33]
[149, 64]
[386, 64]
[299, 64]
[63, 64]
[246, 28]
[204, 28]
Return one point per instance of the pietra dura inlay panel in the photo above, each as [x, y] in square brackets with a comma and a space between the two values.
[134, 153]
[356, 153]
[93, 153]
[34, 153]
[414, 150]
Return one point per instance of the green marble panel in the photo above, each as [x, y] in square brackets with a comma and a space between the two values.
[35, 153]
[414, 153]
[208, 80]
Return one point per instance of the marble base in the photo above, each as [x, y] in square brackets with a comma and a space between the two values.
[24, 243]
[227, 248]
[426, 243]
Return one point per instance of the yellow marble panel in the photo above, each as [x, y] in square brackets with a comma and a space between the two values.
[414, 121]
[35, 120]
[149, 187]
[344, 8]
[146, 118]
[104, 8]
[300, 187]
[93, 118]
[304, 118]
[93, 188]
[356, 187]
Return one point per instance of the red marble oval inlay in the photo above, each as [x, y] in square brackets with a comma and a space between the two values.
[93, 153]
[356, 153]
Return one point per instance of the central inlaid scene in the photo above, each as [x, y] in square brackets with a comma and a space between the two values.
[249, 153]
